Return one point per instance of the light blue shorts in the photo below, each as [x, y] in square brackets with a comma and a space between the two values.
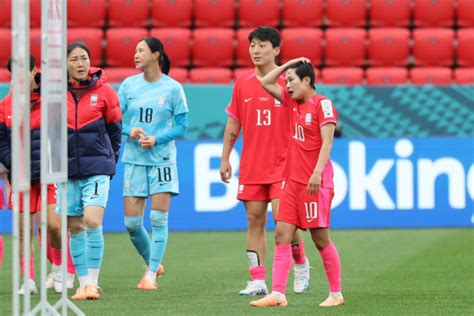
[144, 181]
[91, 191]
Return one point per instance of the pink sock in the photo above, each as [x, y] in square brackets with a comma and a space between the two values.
[332, 266]
[49, 254]
[281, 267]
[258, 273]
[1, 250]
[298, 252]
[56, 256]
[32, 268]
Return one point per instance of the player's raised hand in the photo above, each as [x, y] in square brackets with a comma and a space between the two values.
[299, 59]
[135, 132]
[147, 142]
[226, 171]
[314, 183]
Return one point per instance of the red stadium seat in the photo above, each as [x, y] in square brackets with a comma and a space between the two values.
[297, 13]
[171, 13]
[389, 46]
[242, 70]
[176, 42]
[345, 47]
[119, 74]
[431, 75]
[299, 42]
[214, 13]
[121, 44]
[346, 13]
[429, 13]
[211, 75]
[130, 13]
[242, 51]
[35, 13]
[35, 44]
[253, 13]
[5, 13]
[465, 49]
[92, 38]
[433, 47]
[386, 75]
[464, 76]
[465, 13]
[213, 47]
[390, 13]
[342, 75]
[82, 13]
[5, 75]
[179, 74]
[6, 51]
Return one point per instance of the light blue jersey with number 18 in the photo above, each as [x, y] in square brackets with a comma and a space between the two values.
[152, 107]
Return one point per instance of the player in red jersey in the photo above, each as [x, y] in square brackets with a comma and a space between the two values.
[265, 129]
[309, 188]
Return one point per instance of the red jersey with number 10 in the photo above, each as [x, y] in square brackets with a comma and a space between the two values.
[305, 141]
[265, 130]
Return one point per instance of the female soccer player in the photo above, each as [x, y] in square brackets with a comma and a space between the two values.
[307, 195]
[94, 135]
[157, 108]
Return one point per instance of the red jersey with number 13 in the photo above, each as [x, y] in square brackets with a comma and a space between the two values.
[265, 130]
[305, 142]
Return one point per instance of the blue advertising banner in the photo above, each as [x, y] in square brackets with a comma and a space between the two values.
[419, 182]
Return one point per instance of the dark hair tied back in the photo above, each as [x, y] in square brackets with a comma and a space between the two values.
[156, 45]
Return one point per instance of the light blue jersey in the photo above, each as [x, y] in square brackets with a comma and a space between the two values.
[151, 106]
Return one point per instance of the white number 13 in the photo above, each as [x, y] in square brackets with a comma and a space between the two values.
[267, 117]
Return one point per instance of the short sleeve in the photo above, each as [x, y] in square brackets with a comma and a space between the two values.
[326, 112]
[233, 107]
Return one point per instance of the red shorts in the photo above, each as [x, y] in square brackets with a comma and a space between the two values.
[302, 209]
[35, 197]
[260, 192]
[2, 201]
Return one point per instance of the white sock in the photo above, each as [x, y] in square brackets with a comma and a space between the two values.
[55, 268]
[279, 295]
[94, 276]
[150, 275]
[83, 280]
[336, 294]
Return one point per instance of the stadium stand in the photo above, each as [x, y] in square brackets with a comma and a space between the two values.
[240, 71]
[5, 13]
[5, 52]
[5, 75]
[345, 47]
[213, 47]
[211, 75]
[92, 37]
[465, 13]
[429, 13]
[344, 13]
[431, 75]
[301, 42]
[86, 13]
[253, 13]
[464, 76]
[179, 74]
[297, 13]
[214, 13]
[118, 74]
[433, 46]
[130, 13]
[165, 13]
[177, 43]
[121, 43]
[386, 75]
[342, 75]
[35, 13]
[242, 50]
[35, 44]
[389, 46]
[390, 13]
[465, 47]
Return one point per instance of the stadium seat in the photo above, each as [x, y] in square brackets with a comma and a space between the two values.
[464, 76]
[342, 75]
[390, 13]
[242, 70]
[242, 50]
[389, 46]
[299, 42]
[433, 47]
[429, 13]
[119, 74]
[35, 44]
[179, 74]
[5, 13]
[211, 75]
[214, 13]
[176, 42]
[345, 47]
[386, 75]
[465, 48]
[213, 47]
[130, 13]
[465, 13]
[431, 75]
[166, 13]
[92, 38]
[346, 13]
[35, 13]
[121, 44]
[5, 75]
[6, 51]
[82, 13]
[253, 13]
[297, 13]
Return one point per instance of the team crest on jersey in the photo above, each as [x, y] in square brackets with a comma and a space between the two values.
[241, 188]
[161, 100]
[277, 103]
[307, 119]
[326, 106]
[94, 99]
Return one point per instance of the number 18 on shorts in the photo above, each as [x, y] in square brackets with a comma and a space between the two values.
[144, 181]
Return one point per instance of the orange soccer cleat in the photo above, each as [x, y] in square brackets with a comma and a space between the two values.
[332, 301]
[161, 270]
[80, 294]
[270, 301]
[92, 291]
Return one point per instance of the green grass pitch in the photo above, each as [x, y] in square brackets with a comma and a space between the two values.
[384, 272]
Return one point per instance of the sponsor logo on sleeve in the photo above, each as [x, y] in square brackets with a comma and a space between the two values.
[326, 106]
